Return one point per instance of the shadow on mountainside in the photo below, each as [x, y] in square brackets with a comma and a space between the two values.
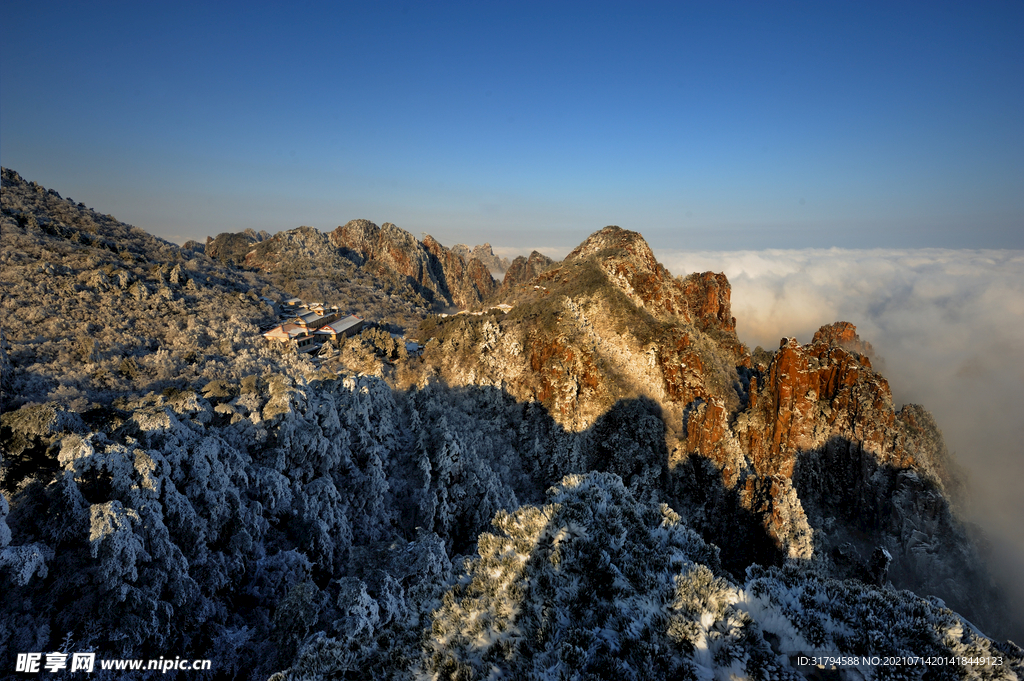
[237, 498]
[597, 583]
[721, 518]
[574, 588]
[860, 508]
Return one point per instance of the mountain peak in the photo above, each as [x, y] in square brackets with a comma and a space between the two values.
[628, 263]
[843, 334]
[614, 238]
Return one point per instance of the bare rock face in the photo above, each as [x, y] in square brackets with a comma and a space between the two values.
[834, 471]
[843, 334]
[387, 246]
[397, 251]
[807, 397]
[400, 251]
[590, 331]
[524, 270]
[497, 266]
[708, 297]
[468, 284]
[358, 236]
[388, 250]
[480, 279]
[815, 392]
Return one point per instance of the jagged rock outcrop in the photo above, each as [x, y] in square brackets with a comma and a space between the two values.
[497, 266]
[388, 251]
[230, 248]
[468, 284]
[811, 393]
[708, 297]
[629, 264]
[432, 267]
[522, 271]
[388, 245]
[261, 235]
[607, 323]
[843, 334]
[834, 471]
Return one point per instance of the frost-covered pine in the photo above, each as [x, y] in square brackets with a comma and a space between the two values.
[21, 563]
[809, 615]
[594, 585]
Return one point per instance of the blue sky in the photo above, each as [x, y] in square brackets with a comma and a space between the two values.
[701, 125]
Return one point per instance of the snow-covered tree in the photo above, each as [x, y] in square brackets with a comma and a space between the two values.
[592, 585]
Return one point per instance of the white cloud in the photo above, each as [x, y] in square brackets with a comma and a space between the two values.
[948, 326]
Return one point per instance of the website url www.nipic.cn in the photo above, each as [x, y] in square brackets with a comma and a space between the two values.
[31, 663]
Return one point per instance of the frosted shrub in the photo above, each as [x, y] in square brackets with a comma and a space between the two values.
[809, 615]
[593, 585]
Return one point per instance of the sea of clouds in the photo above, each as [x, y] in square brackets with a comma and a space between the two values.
[947, 327]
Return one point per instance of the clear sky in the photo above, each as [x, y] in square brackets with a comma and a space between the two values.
[702, 125]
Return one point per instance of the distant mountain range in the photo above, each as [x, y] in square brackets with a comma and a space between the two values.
[583, 474]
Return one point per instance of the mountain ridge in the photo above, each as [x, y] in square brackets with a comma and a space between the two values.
[170, 479]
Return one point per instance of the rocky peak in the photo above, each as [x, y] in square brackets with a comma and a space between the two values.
[629, 264]
[393, 234]
[468, 283]
[435, 270]
[524, 270]
[821, 445]
[285, 249]
[844, 335]
[708, 297]
[359, 236]
[9, 176]
[483, 253]
[261, 235]
[614, 238]
[585, 332]
[814, 392]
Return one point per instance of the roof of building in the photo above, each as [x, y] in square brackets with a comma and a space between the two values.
[311, 318]
[286, 332]
[340, 326]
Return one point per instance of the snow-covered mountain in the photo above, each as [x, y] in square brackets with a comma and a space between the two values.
[593, 479]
